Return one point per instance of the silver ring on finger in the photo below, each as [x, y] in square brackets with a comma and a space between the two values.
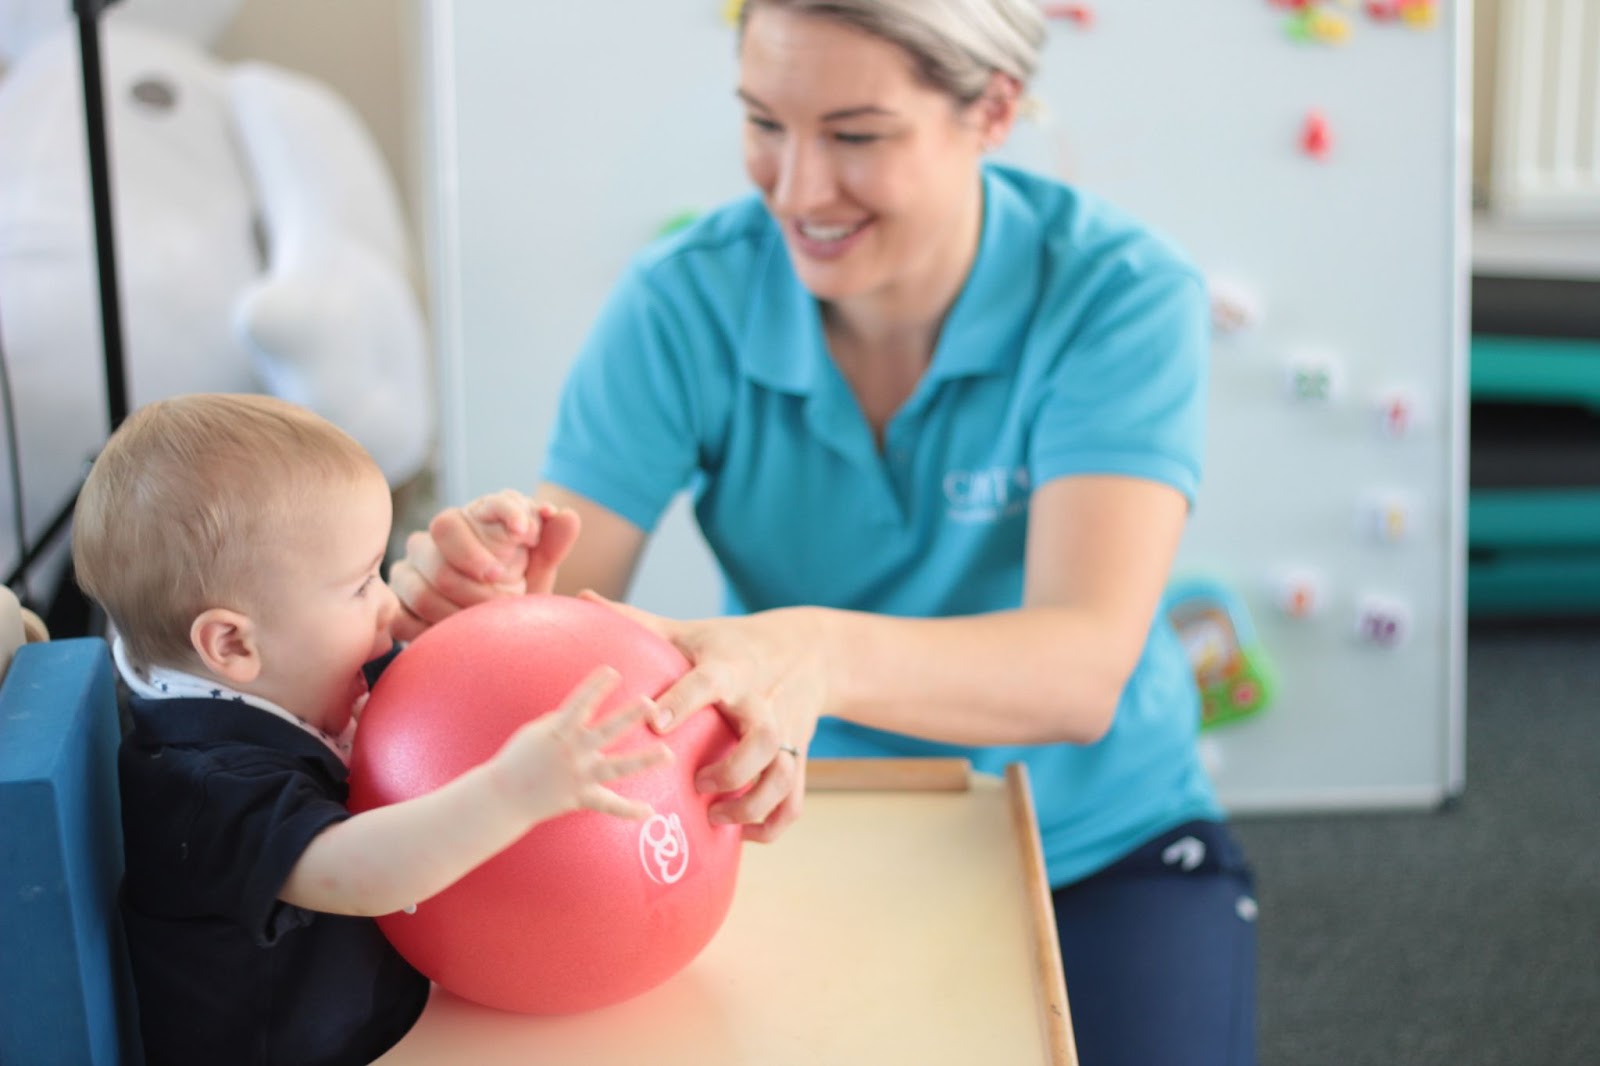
[791, 749]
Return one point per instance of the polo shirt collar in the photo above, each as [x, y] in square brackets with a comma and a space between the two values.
[206, 721]
[1000, 292]
[163, 682]
[783, 341]
[784, 348]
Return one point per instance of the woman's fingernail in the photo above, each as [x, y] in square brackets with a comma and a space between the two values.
[705, 783]
[717, 818]
[660, 715]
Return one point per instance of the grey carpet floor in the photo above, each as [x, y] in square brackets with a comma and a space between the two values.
[1465, 936]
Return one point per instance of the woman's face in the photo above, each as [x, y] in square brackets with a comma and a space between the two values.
[871, 174]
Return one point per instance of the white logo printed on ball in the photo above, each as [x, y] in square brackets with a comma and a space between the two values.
[664, 848]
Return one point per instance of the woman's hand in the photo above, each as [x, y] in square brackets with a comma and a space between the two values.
[765, 674]
[505, 544]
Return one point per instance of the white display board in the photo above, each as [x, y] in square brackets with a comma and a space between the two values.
[563, 137]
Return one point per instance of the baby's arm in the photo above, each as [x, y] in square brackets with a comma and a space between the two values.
[386, 859]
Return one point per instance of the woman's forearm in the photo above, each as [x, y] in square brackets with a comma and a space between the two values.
[1029, 676]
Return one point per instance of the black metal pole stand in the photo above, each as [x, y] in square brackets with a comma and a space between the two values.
[94, 113]
[87, 13]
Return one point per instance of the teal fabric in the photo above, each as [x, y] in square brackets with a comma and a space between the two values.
[1078, 345]
[65, 991]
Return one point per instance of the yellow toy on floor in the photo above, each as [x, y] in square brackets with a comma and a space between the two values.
[18, 626]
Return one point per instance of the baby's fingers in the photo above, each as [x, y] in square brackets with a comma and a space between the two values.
[628, 763]
[607, 802]
[616, 724]
[457, 541]
[581, 702]
[506, 514]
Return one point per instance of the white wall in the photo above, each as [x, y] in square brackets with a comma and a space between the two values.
[561, 143]
[363, 49]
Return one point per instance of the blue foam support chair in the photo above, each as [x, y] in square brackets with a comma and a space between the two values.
[66, 995]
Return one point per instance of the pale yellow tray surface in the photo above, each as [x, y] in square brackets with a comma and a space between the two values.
[884, 927]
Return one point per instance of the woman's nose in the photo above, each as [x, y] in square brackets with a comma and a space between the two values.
[805, 178]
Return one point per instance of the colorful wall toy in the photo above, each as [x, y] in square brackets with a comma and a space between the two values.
[1230, 667]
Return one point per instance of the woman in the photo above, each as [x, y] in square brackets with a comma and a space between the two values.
[942, 419]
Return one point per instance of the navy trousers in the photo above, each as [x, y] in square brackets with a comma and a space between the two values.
[1159, 950]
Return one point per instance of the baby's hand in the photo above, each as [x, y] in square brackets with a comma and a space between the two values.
[556, 763]
[497, 545]
[528, 539]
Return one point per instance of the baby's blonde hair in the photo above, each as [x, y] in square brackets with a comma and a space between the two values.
[187, 504]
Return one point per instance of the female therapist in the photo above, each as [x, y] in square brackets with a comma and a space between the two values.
[942, 421]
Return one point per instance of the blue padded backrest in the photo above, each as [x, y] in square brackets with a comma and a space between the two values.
[65, 991]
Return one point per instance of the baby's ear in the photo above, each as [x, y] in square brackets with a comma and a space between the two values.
[226, 643]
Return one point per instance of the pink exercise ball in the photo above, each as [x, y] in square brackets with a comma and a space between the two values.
[587, 909]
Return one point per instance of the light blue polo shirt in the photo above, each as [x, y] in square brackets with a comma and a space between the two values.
[1078, 345]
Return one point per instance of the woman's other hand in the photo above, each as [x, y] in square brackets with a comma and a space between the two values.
[764, 674]
[502, 544]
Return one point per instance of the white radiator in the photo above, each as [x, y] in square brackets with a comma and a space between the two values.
[1547, 111]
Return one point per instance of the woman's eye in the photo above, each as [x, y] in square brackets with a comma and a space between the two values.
[765, 125]
[855, 138]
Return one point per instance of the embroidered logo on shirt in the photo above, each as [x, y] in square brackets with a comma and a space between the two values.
[987, 494]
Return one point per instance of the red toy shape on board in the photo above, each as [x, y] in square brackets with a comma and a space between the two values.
[1081, 14]
[1315, 138]
[586, 909]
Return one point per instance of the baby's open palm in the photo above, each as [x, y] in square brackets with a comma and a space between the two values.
[558, 762]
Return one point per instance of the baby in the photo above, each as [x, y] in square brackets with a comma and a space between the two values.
[235, 544]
